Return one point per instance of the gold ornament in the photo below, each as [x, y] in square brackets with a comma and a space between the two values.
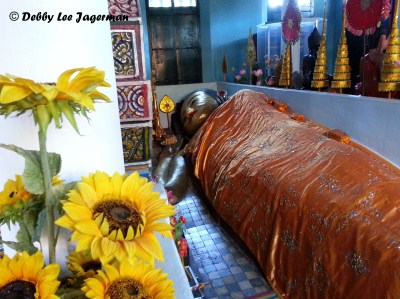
[342, 76]
[286, 73]
[158, 130]
[390, 74]
[167, 105]
[320, 76]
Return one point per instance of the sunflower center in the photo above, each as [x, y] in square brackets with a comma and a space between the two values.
[127, 289]
[92, 265]
[18, 289]
[120, 215]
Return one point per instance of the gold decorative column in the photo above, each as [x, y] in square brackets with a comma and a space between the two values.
[158, 130]
[320, 76]
[390, 74]
[286, 72]
[342, 75]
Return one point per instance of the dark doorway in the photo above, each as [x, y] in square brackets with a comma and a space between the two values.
[174, 34]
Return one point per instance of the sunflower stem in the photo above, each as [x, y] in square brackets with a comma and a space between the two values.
[48, 191]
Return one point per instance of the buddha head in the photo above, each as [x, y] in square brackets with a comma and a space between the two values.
[314, 40]
[196, 108]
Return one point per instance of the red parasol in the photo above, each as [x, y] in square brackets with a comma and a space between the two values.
[291, 22]
[364, 15]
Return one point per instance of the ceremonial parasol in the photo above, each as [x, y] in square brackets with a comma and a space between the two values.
[290, 32]
[363, 16]
[291, 23]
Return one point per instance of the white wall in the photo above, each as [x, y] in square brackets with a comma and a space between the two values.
[42, 51]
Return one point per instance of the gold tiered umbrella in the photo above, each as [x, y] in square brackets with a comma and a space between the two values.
[342, 76]
[320, 76]
[291, 24]
[390, 74]
[286, 73]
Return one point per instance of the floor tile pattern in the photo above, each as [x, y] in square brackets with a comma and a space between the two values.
[215, 257]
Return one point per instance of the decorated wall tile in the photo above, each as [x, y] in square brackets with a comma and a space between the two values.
[136, 142]
[128, 52]
[129, 8]
[134, 100]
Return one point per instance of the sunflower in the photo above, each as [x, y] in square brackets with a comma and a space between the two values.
[131, 279]
[82, 264]
[14, 195]
[116, 217]
[23, 276]
[74, 92]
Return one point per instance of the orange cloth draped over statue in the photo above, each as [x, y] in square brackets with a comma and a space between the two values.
[321, 217]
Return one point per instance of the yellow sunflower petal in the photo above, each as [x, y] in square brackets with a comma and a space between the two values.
[10, 94]
[31, 268]
[112, 272]
[84, 242]
[77, 212]
[96, 286]
[88, 194]
[99, 220]
[120, 236]
[95, 248]
[130, 186]
[154, 281]
[66, 222]
[102, 185]
[122, 253]
[6, 276]
[15, 266]
[130, 234]
[130, 248]
[98, 95]
[113, 235]
[162, 228]
[116, 184]
[47, 288]
[108, 246]
[151, 245]
[89, 228]
[105, 228]
[63, 79]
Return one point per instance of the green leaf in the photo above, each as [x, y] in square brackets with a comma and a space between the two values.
[55, 113]
[24, 240]
[70, 294]
[67, 110]
[32, 176]
[42, 116]
[41, 220]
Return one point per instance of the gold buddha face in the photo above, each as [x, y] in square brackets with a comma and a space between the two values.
[195, 110]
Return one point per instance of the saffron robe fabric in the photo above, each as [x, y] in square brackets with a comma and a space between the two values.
[321, 217]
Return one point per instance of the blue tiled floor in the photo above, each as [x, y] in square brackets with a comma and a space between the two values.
[215, 257]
